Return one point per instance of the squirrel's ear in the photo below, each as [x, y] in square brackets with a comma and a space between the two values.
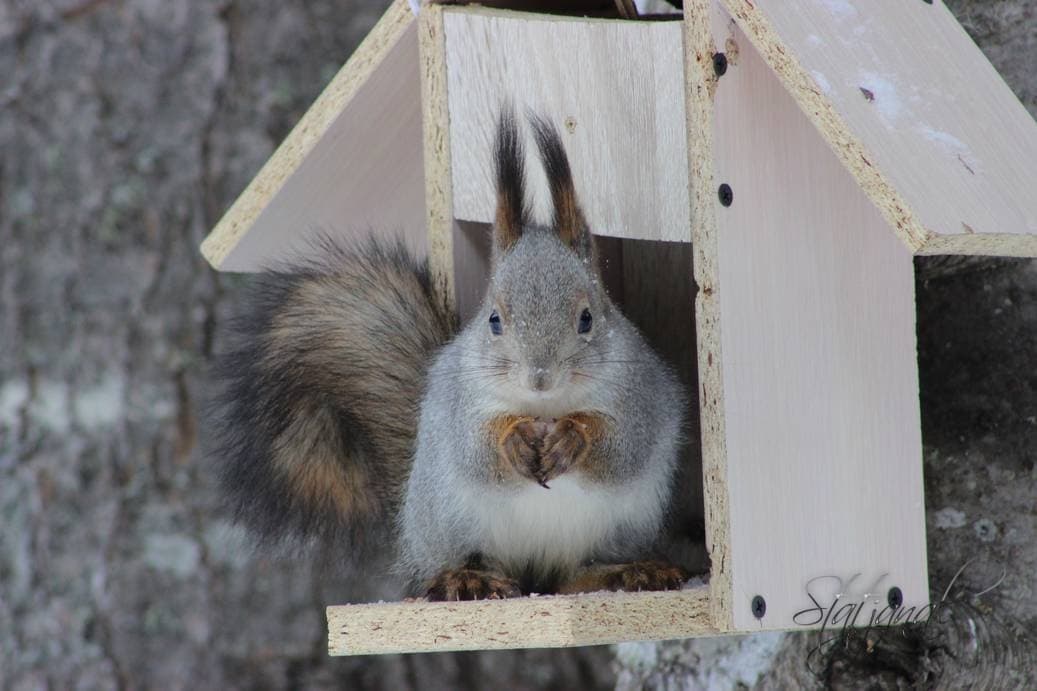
[508, 159]
[568, 217]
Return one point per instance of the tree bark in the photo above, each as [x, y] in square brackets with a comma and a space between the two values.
[126, 128]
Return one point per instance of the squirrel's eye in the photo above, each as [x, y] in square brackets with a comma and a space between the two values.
[585, 321]
[495, 325]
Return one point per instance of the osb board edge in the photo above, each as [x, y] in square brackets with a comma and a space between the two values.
[700, 83]
[545, 621]
[986, 244]
[439, 203]
[236, 222]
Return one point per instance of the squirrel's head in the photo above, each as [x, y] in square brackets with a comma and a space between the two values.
[546, 319]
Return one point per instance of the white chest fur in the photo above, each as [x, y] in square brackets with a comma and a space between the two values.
[560, 527]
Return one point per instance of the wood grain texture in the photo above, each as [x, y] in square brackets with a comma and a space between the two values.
[818, 357]
[352, 164]
[700, 84]
[439, 193]
[613, 88]
[915, 112]
[541, 622]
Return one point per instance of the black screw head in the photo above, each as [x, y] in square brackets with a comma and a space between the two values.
[719, 64]
[759, 607]
[726, 194]
[894, 598]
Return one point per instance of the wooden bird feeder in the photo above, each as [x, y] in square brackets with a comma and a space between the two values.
[802, 170]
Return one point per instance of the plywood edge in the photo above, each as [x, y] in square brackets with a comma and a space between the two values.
[810, 98]
[307, 133]
[527, 622]
[439, 200]
[700, 83]
[986, 244]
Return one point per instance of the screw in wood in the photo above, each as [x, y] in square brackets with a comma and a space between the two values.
[726, 194]
[895, 598]
[759, 607]
[719, 64]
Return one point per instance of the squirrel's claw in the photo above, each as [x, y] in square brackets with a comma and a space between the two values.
[541, 450]
[471, 584]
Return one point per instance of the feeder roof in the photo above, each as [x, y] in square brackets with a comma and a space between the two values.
[913, 109]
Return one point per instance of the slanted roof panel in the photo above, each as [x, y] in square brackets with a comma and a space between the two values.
[352, 163]
[915, 111]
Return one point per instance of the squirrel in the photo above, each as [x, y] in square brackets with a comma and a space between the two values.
[534, 450]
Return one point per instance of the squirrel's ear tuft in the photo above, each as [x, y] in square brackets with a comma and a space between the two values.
[508, 159]
[568, 217]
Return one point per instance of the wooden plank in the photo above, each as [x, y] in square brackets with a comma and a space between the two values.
[916, 113]
[352, 164]
[700, 85]
[818, 357]
[526, 622]
[436, 135]
[613, 88]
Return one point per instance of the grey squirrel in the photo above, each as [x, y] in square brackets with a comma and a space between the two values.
[532, 451]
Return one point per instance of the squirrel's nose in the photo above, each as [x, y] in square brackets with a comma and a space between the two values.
[540, 379]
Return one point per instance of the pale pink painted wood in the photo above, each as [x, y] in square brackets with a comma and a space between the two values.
[818, 357]
[364, 175]
[913, 95]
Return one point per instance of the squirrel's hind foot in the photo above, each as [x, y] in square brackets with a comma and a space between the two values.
[472, 582]
[632, 577]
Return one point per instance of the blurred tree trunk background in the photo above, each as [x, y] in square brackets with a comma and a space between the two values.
[126, 128]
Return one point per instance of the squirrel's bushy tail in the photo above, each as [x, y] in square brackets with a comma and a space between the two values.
[316, 415]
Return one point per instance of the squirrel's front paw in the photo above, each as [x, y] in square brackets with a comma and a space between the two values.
[521, 446]
[542, 449]
[563, 447]
[471, 584]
